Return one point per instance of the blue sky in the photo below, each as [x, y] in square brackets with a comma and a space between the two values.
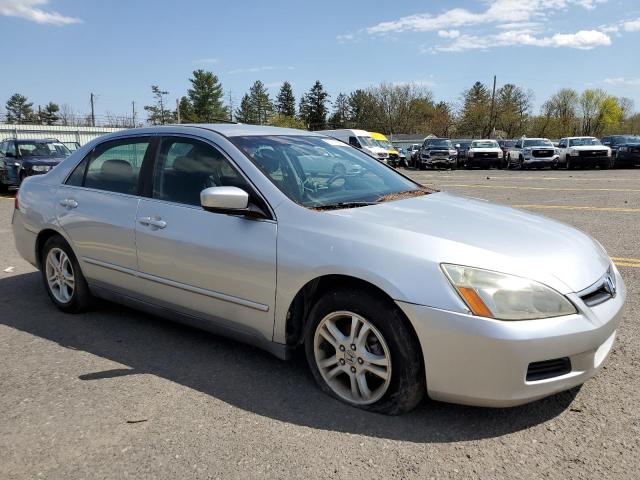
[64, 49]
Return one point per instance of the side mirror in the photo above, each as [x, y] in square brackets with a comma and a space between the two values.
[224, 199]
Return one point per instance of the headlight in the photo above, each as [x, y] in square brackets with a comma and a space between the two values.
[453, 152]
[40, 168]
[574, 153]
[505, 297]
[470, 153]
[623, 149]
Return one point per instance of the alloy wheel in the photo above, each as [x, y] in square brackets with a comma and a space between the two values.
[352, 357]
[60, 276]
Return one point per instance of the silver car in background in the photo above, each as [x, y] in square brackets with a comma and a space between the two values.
[285, 239]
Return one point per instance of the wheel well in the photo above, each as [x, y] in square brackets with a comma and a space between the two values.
[308, 295]
[42, 238]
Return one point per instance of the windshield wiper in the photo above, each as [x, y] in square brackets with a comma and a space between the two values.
[339, 205]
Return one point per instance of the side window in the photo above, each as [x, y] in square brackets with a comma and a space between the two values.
[115, 166]
[562, 144]
[185, 167]
[11, 149]
[353, 141]
[77, 176]
[3, 146]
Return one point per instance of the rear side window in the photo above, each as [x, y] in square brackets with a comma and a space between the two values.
[77, 176]
[115, 166]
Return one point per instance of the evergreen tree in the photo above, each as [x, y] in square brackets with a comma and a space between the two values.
[159, 114]
[476, 110]
[261, 104]
[362, 109]
[340, 116]
[19, 109]
[206, 95]
[245, 112]
[49, 115]
[286, 101]
[186, 110]
[313, 107]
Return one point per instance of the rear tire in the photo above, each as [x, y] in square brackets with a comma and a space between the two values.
[62, 277]
[341, 361]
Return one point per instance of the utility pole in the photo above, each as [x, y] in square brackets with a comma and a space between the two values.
[133, 113]
[230, 107]
[93, 114]
[178, 110]
[493, 103]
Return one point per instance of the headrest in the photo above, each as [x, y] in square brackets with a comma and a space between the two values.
[117, 168]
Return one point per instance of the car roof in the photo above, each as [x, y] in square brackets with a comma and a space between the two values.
[225, 129]
[35, 140]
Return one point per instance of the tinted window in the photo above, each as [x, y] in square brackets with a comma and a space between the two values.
[185, 167]
[77, 176]
[115, 166]
[11, 149]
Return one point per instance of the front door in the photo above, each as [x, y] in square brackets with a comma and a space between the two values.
[217, 266]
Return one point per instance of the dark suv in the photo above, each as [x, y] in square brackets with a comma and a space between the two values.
[437, 153]
[22, 158]
[625, 150]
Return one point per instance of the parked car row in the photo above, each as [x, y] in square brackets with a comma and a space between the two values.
[524, 153]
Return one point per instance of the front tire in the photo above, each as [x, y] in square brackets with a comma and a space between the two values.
[570, 165]
[63, 279]
[361, 350]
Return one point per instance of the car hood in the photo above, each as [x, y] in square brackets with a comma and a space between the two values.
[630, 144]
[590, 147]
[485, 149]
[50, 161]
[446, 228]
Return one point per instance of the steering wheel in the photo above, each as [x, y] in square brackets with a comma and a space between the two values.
[337, 176]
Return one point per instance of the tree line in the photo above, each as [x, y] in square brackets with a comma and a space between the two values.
[388, 108]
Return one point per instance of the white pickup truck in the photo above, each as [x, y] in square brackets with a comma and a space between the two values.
[583, 152]
[532, 153]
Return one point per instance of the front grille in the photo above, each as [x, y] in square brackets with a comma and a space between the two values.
[593, 153]
[439, 153]
[542, 153]
[548, 369]
[486, 155]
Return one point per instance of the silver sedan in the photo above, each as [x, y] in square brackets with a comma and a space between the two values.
[287, 239]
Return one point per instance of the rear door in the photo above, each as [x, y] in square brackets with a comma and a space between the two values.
[97, 209]
[211, 265]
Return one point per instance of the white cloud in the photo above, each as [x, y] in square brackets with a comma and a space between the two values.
[265, 68]
[632, 26]
[622, 81]
[347, 37]
[583, 40]
[497, 12]
[28, 10]
[416, 83]
[449, 33]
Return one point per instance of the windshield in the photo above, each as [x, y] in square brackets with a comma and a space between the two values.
[385, 144]
[625, 139]
[538, 143]
[579, 142]
[320, 172]
[367, 142]
[438, 142]
[484, 144]
[42, 149]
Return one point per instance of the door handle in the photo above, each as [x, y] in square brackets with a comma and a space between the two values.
[155, 222]
[69, 203]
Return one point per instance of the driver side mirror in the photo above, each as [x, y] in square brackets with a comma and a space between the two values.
[229, 200]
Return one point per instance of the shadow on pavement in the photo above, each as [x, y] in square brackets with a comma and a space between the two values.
[243, 376]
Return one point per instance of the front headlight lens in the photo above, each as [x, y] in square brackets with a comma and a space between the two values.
[506, 297]
[40, 168]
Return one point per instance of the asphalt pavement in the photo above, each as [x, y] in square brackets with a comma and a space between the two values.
[116, 394]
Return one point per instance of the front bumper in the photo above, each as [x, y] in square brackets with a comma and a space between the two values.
[484, 362]
[627, 158]
[542, 161]
[446, 162]
[584, 161]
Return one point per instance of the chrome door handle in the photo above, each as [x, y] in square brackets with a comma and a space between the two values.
[69, 203]
[155, 222]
